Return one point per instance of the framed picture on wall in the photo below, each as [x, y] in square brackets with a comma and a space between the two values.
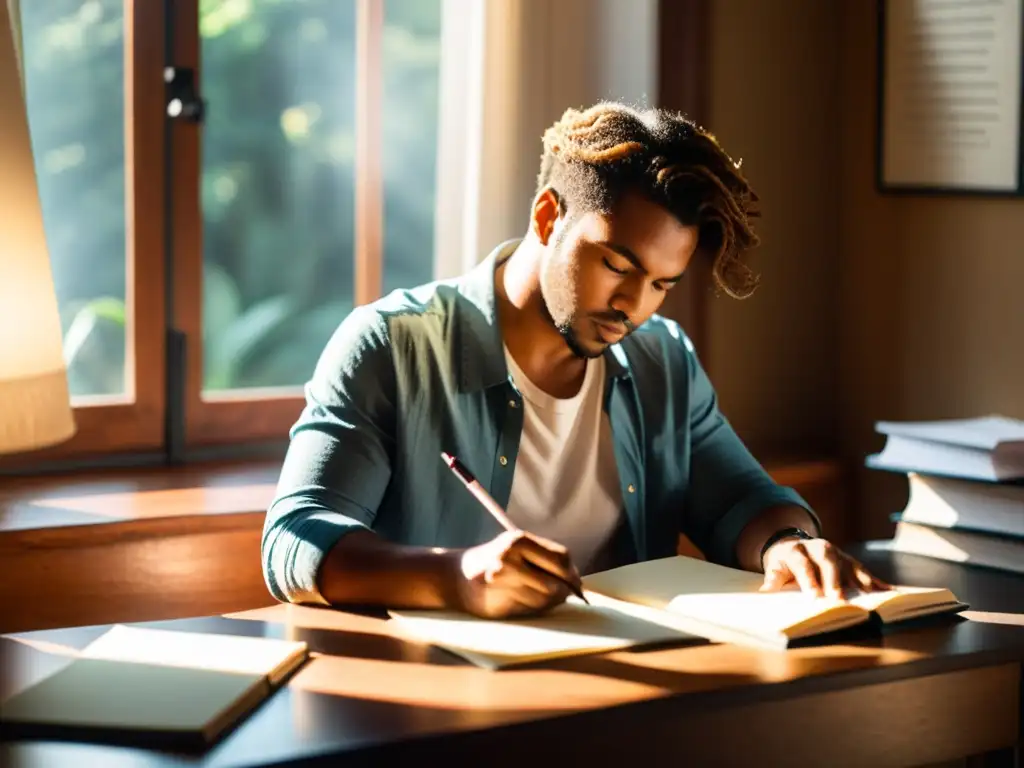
[949, 90]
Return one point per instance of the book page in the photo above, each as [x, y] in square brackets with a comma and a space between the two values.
[656, 583]
[911, 600]
[568, 629]
[791, 613]
[725, 597]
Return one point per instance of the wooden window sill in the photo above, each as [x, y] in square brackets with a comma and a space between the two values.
[122, 495]
[160, 543]
[133, 545]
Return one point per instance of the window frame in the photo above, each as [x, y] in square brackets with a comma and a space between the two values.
[264, 415]
[132, 422]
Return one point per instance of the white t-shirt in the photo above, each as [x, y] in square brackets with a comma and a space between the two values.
[566, 484]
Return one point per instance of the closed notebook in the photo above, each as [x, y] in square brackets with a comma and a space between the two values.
[671, 600]
[148, 686]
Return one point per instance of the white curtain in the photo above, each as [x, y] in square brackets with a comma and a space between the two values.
[35, 409]
[509, 68]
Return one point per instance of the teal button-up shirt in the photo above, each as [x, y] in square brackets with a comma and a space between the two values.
[423, 371]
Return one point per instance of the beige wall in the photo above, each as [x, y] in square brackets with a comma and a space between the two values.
[773, 102]
[872, 307]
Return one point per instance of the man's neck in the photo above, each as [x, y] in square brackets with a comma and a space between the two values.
[537, 347]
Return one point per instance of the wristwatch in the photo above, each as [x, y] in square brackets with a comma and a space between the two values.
[784, 533]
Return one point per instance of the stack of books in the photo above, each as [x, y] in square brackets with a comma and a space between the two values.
[966, 501]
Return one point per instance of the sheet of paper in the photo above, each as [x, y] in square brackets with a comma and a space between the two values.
[572, 627]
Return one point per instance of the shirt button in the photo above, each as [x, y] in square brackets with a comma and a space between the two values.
[511, 403]
[630, 488]
[502, 460]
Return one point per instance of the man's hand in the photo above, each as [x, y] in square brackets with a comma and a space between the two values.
[817, 567]
[514, 575]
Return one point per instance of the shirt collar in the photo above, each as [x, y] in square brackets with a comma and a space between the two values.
[480, 348]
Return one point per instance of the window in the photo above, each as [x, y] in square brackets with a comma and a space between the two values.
[96, 124]
[201, 266]
[75, 73]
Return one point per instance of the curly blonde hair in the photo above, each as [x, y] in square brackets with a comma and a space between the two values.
[592, 156]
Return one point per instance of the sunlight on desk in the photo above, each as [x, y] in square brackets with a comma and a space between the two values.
[779, 667]
[309, 617]
[166, 502]
[466, 687]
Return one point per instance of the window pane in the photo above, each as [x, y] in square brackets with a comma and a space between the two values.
[412, 61]
[74, 83]
[278, 190]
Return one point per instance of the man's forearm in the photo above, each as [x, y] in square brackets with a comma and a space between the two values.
[364, 569]
[758, 531]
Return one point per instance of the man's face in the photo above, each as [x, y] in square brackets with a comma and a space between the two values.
[605, 275]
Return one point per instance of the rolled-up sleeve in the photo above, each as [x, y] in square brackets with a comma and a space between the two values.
[338, 463]
[728, 487]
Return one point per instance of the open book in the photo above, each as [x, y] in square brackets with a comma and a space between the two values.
[670, 600]
[153, 687]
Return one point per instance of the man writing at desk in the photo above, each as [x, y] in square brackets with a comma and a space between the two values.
[587, 417]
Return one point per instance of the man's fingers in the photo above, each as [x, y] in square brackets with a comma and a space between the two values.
[537, 601]
[805, 571]
[554, 561]
[830, 567]
[865, 579]
[522, 573]
[775, 579]
[870, 583]
[543, 583]
[548, 544]
[535, 589]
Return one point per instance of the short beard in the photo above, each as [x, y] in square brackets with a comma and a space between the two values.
[568, 335]
[560, 293]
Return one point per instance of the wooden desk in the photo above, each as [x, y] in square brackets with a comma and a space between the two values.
[912, 698]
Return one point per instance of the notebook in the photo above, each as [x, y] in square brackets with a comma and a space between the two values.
[153, 687]
[672, 600]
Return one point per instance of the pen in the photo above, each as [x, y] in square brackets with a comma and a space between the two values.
[488, 503]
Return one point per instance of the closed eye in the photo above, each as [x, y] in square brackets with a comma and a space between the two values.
[613, 268]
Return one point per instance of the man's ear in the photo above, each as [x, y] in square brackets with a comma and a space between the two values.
[547, 210]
